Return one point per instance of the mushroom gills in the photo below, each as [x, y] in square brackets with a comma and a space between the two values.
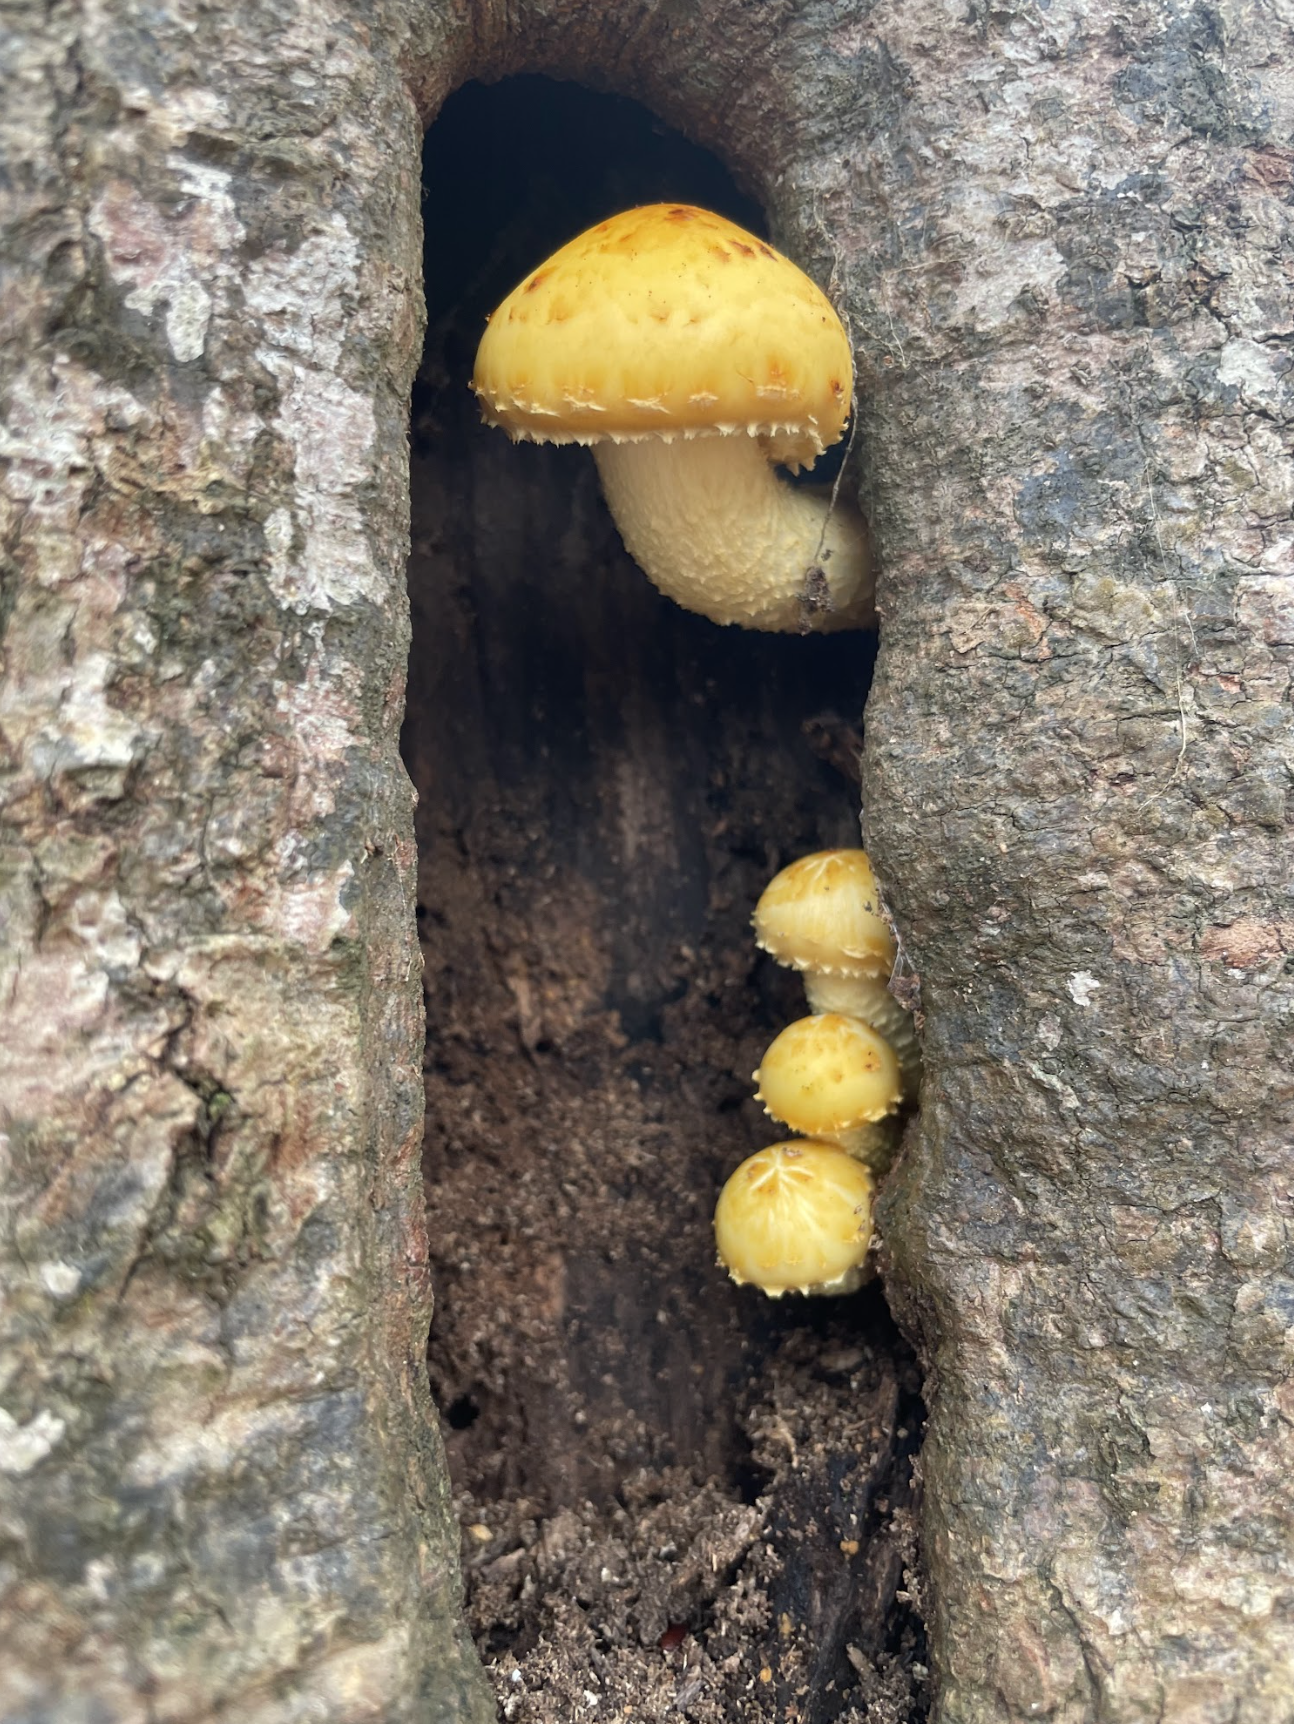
[718, 531]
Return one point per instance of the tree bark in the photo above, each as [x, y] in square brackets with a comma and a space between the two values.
[1078, 764]
[223, 1487]
[1061, 236]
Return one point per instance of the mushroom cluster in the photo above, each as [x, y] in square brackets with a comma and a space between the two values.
[797, 1217]
[696, 360]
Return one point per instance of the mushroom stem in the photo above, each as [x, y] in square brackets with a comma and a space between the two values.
[874, 1144]
[716, 529]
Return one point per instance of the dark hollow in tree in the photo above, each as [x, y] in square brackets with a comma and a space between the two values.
[648, 1457]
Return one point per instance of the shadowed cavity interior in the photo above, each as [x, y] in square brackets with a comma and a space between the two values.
[665, 1479]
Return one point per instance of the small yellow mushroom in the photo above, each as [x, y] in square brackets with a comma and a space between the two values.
[824, 913]
[827, 1074]
[822, 916]
[796, 1218]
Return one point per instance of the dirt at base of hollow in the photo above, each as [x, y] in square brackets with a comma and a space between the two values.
[681, 1598]
[680, 1499]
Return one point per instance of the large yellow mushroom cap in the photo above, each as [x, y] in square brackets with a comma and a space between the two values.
[667, 321]
[828, 1073]
[824, 913]
[796, 1218]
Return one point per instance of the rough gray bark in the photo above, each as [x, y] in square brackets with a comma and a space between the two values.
[222, 1485]
[1061, 236]
[1078, 773]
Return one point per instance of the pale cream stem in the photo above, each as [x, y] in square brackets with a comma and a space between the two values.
[716, 529]
[875, 1144]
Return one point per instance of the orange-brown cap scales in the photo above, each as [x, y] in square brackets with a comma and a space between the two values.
[692, 355]
[667, 319]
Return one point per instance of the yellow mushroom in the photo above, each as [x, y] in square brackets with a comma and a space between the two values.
[822, 916]
[796, 1218]
[695, 358]
[823, 913]
[835, 1078]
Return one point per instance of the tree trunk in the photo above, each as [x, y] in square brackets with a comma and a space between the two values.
[1077, 773]
[1061, 237]
[224, 1489]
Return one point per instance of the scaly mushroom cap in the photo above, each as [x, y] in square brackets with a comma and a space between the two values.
[796, 1218]
[824, 913]
[827, 1074]
[667, 321]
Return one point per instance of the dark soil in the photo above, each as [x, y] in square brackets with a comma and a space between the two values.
[679, 1595]
[678, 1497]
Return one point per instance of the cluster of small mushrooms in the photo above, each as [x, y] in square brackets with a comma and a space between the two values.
[696, 360]
[797, 1217]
